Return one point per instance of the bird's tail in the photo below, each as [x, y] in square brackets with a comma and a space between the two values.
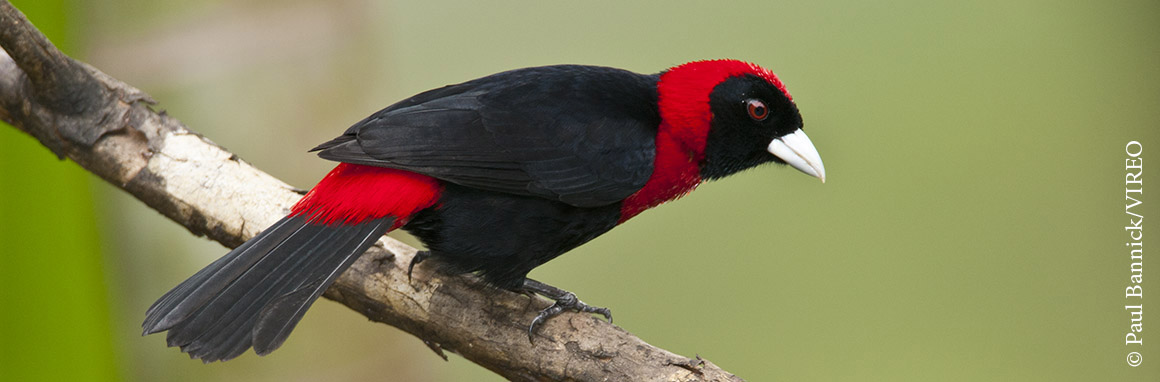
[254, 295]
[257, 293]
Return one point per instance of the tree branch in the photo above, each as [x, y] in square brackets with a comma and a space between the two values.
[109, 129]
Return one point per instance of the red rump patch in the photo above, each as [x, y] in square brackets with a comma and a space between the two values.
[683, 99]
[352, 193]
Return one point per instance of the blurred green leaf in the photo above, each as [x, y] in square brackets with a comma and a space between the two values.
[54, 314]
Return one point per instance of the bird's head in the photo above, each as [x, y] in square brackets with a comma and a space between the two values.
[732, 115]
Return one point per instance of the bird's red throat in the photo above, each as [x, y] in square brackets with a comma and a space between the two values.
[683, 100]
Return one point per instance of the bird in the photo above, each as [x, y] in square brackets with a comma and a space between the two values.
[495, 176]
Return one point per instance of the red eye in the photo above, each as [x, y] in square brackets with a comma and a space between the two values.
[757, 109]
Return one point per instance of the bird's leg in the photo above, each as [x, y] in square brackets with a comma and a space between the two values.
[564, 300]
[419, 257]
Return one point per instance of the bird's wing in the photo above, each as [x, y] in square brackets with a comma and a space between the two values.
[580, 135]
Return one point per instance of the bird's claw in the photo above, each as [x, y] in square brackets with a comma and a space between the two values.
[545, 314]
[419, 257]
[565, 301]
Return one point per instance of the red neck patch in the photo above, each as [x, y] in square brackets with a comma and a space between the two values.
[683, 101]
[683, 96]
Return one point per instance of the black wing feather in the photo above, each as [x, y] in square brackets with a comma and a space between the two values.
[581, 135]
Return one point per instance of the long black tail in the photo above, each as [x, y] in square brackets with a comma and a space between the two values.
[254, 295]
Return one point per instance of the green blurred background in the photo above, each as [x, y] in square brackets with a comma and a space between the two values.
[971, 228]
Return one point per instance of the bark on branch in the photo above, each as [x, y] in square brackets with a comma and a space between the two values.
[109, 128]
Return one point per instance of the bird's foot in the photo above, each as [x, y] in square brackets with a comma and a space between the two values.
[565, 300]
[419, 257]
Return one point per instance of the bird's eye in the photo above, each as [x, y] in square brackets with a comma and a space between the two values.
[757, 109]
